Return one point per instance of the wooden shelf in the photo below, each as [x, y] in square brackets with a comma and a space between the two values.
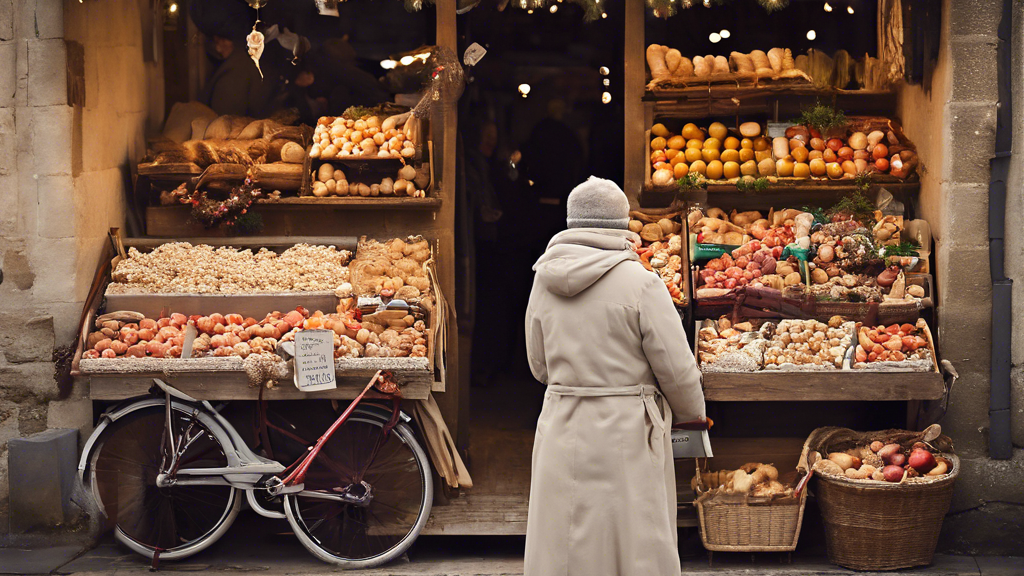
[359, 202]
[234, 384]
[838, 385]
[732, 99]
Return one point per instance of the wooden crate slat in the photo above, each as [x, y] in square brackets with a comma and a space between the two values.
[838, 385]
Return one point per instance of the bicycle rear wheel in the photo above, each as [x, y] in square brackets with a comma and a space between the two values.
[179, 521]
[397, 494]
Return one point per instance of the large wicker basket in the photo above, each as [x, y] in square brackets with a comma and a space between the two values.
[748, 524]
[879, 525]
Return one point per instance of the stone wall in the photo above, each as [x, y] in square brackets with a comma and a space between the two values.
[62, 175]
[953, 122]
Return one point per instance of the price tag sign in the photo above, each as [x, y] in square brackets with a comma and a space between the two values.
[314, 360]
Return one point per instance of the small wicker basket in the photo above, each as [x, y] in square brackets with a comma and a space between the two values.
[748, 524]
[879, 525]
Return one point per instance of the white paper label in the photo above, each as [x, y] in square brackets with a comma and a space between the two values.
[777, 129]
[314, 360]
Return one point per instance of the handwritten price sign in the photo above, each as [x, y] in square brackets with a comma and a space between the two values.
[314, 360]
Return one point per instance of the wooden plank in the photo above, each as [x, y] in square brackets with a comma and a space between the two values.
[838, 385]
[634, 79]
[731, 100]
[342, 242]
[307, 220]
[360, 202]
[248, 305]
[234, 385]
[454, 403]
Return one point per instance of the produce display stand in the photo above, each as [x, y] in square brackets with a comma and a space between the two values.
[780, 101]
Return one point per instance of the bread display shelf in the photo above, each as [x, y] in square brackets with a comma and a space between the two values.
[729, 99]
[835, 385]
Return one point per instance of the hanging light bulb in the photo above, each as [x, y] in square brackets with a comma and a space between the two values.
[811, 34]
[406, 60]
[554, 8]
[606, 82]
[849, 9]
[725, 33]
[604, 14]
[603, 70]
[715, 37]
[530, 11]
[388, 64]
[606, 97]
[828, 7]
[524, 89]
[172, 8]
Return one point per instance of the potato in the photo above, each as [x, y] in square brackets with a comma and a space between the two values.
[636, 226]
[667, 226]
[845, 460]
[887, 451]
[326, 172]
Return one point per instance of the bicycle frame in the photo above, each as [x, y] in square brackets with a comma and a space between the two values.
[248, 471]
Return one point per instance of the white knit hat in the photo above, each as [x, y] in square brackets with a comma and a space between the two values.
[597, 203]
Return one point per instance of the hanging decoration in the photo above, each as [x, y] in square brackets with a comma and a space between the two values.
[446, 83]
[255, 43]
[592, 9]
[210, 212]
[666, 8]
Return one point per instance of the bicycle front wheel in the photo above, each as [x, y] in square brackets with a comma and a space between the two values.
[177, 521]
[391, 478]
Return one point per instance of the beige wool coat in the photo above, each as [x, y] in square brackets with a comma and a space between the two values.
[603, 335]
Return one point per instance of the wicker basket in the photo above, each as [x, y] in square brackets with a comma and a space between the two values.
[748, 524]
[879, 525]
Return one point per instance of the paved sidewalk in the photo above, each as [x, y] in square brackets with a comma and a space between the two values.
[258, 546]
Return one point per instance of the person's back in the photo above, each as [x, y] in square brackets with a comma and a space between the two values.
[603, 335]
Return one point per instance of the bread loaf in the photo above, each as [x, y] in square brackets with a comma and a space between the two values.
[721, 65]
[741, 62]
[775, 59]
[672, 60]
[685, 68]
[656, 60]
[701, 67]
[761, 62]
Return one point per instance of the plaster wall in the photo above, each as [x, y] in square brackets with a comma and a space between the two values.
[62, 178]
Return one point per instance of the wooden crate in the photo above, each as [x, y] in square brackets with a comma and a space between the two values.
[210, 380]
[823, 386]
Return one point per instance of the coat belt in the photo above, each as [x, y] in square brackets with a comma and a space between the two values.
[640, 390]
[649, 394]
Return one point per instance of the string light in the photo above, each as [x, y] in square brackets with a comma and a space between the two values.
[606, 82]
[828, 7]
[406, 60]
[603, 70]
[811, 34]
[524, 89]
[172, 8]
[715, 37]
[388, 64]
[604, 14]
[606, 97]
[725, 33]
[529, 11]
[849, 9]
[554, 8]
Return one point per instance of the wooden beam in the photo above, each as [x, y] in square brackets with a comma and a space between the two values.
[634, 81]
[451, 403]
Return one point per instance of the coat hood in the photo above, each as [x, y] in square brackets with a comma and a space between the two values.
[577, 258]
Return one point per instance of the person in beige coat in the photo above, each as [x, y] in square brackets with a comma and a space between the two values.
[603, 335]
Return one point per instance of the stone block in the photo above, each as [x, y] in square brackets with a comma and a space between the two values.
[55, 262]
[6, 20]
[32, 419]
[41, 18]
[21, 95]
[71, 414]
[51, 139]
[29, 383]
[8, 69]
[17, 271]
[42, 479]
[974, 17]
[975, 74]
[99, 197]
[56, 214]
[967, 207]
[971, 142]
[48, 79]
[1017, 406]
[26, 340]
[995, 529]
[966, 419]
[8, 141]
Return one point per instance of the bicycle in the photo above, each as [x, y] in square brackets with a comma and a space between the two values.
[167, 474]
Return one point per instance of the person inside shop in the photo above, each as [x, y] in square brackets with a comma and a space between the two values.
[603, 334]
